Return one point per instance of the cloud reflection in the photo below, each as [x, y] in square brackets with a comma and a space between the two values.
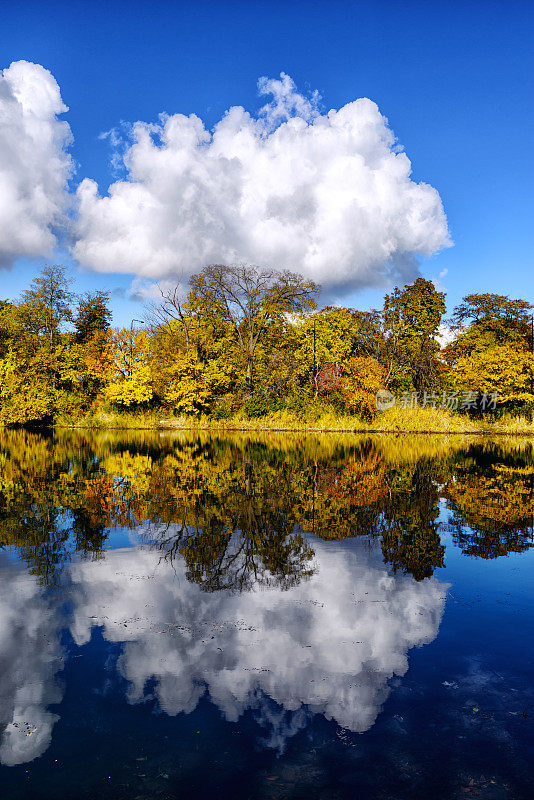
[30, 657]
[326, 646]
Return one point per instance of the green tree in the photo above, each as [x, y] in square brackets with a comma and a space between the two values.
[411, 320]
[47, 305]
[410, 539]
[508, 321]
[93, 315]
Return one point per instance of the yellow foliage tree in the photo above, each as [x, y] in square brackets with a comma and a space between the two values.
[132, 382]
[364, 376]
[25, 391]
[333, 330]
[188, 388]
[98, 358]
[504, 369]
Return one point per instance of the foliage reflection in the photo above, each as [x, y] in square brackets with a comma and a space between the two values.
[238, 509]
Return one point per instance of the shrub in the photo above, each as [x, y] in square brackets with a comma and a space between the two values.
[223, 410]
[261, 406]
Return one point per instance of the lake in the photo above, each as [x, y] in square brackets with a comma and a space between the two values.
[278, 616]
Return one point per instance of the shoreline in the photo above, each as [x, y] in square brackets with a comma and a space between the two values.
[394, 422]
[301, 430]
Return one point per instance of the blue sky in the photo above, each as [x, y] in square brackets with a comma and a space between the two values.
[453, 79]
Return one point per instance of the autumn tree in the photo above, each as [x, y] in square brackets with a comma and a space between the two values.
[368, 335]
[305, 346]
[93, 315]
[364, 376]
[189, 386]
[502, 369]
[411, 319]
[6, 326]
[131, 383]
[97, 362]
[353, 384]
[251, 302]
[47, 305]
[172, 313]
[193, 357]
[327, 336]
[482, 321]
[36, 360]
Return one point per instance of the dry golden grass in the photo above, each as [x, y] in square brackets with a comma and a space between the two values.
[394, 420]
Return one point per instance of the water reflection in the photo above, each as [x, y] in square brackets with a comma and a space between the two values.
[288, 577]
[325, 646]
[30, 658]
[241, 501]
[491, 495]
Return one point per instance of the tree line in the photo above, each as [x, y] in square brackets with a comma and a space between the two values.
[244, 338]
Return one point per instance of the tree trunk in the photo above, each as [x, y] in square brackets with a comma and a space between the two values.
[248, 478]
[249, 383]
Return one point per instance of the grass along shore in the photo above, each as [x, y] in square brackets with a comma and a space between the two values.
[393, 420]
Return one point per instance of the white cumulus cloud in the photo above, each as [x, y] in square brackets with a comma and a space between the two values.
[34, 163]
[329, 195]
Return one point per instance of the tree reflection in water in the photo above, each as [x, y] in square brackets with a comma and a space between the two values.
[288, 576]
[491, 496]
[327, 645]
[235, 509]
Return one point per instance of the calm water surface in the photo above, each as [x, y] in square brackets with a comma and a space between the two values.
[278, 617]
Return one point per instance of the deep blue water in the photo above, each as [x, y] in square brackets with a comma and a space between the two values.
[127, 674]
